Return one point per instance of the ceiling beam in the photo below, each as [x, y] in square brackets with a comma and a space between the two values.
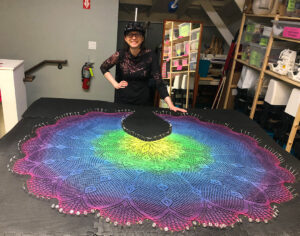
[136, 2]
[216, 19]
[240, 4]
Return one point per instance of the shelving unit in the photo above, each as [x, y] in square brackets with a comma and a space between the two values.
[263, 70]
[180, 55]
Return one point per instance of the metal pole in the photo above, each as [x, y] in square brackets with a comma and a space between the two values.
[136, 12]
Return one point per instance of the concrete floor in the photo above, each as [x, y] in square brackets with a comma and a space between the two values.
[2, 130]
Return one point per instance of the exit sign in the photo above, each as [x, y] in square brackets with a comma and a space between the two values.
[86, 4]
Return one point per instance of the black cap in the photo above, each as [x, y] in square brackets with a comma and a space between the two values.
[134, 26]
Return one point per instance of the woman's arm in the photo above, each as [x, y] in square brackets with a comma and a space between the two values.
[114, 83]
[161, 87]
[171, 105]
[109, 63]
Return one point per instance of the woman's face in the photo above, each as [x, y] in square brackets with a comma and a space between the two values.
[134, 39]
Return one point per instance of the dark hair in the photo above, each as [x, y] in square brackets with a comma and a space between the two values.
[134, 26]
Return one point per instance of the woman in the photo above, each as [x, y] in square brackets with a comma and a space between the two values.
[135, 66]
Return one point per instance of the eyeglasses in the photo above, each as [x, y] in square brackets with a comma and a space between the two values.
[131, 35]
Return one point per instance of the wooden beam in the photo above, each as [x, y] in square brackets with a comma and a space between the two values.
[240, 4]
[216, 19]
[293, 132]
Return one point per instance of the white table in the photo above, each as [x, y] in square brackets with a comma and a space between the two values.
[13, 91]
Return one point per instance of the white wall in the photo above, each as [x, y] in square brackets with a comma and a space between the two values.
[37, 30]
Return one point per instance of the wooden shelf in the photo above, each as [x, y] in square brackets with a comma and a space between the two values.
[262, 16]
[247, 64]
[289, 18]
[287, 39]
[170, 46]
[283, 78]
[180, 72]
[263, 71]
[178, 57]
[273, 16]
[271, 73]
[179, 40]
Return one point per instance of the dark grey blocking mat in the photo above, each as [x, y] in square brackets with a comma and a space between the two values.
[22, 214]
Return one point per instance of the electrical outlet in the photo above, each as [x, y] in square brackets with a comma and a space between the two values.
[92, 45]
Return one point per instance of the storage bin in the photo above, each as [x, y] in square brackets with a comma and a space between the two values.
[263, 41]
[204, 67]
[247, 37]
[293, 102]
[175, 33]
[287, 29]
[248, 79]
[176, 62]
[195, 33]
[184, 29]
[184, 62]
[253, 27]
[177, 82]
[257, 54]
[278, 93]
[251, 37]
[179, 49]
[194, 45]
[193, 65]
[184, 82]
[245, 51]
[193, 56]
[292, 8]
[186, 45]
[267, 31]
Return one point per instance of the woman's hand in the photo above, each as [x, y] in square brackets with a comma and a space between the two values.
[171, 105]
[173, 108]
[121, 85]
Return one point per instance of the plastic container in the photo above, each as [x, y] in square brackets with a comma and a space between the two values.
[292, 8]
[193, 65]
[245, 51]
[195, 33]
[194, 45]
[204, 67]
[293, 103]
[253, 27]
[247, 37]
[175, 33]
[278, 93]
[186, 45]
[179, 49]
[287, 29]
[263, 41]
[257, 54]
[193, 57]
[177, 82]
[184, 62]
[184, 29]
[267, 31]
[176, 62]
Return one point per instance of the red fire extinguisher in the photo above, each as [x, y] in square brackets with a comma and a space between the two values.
[87, 74]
